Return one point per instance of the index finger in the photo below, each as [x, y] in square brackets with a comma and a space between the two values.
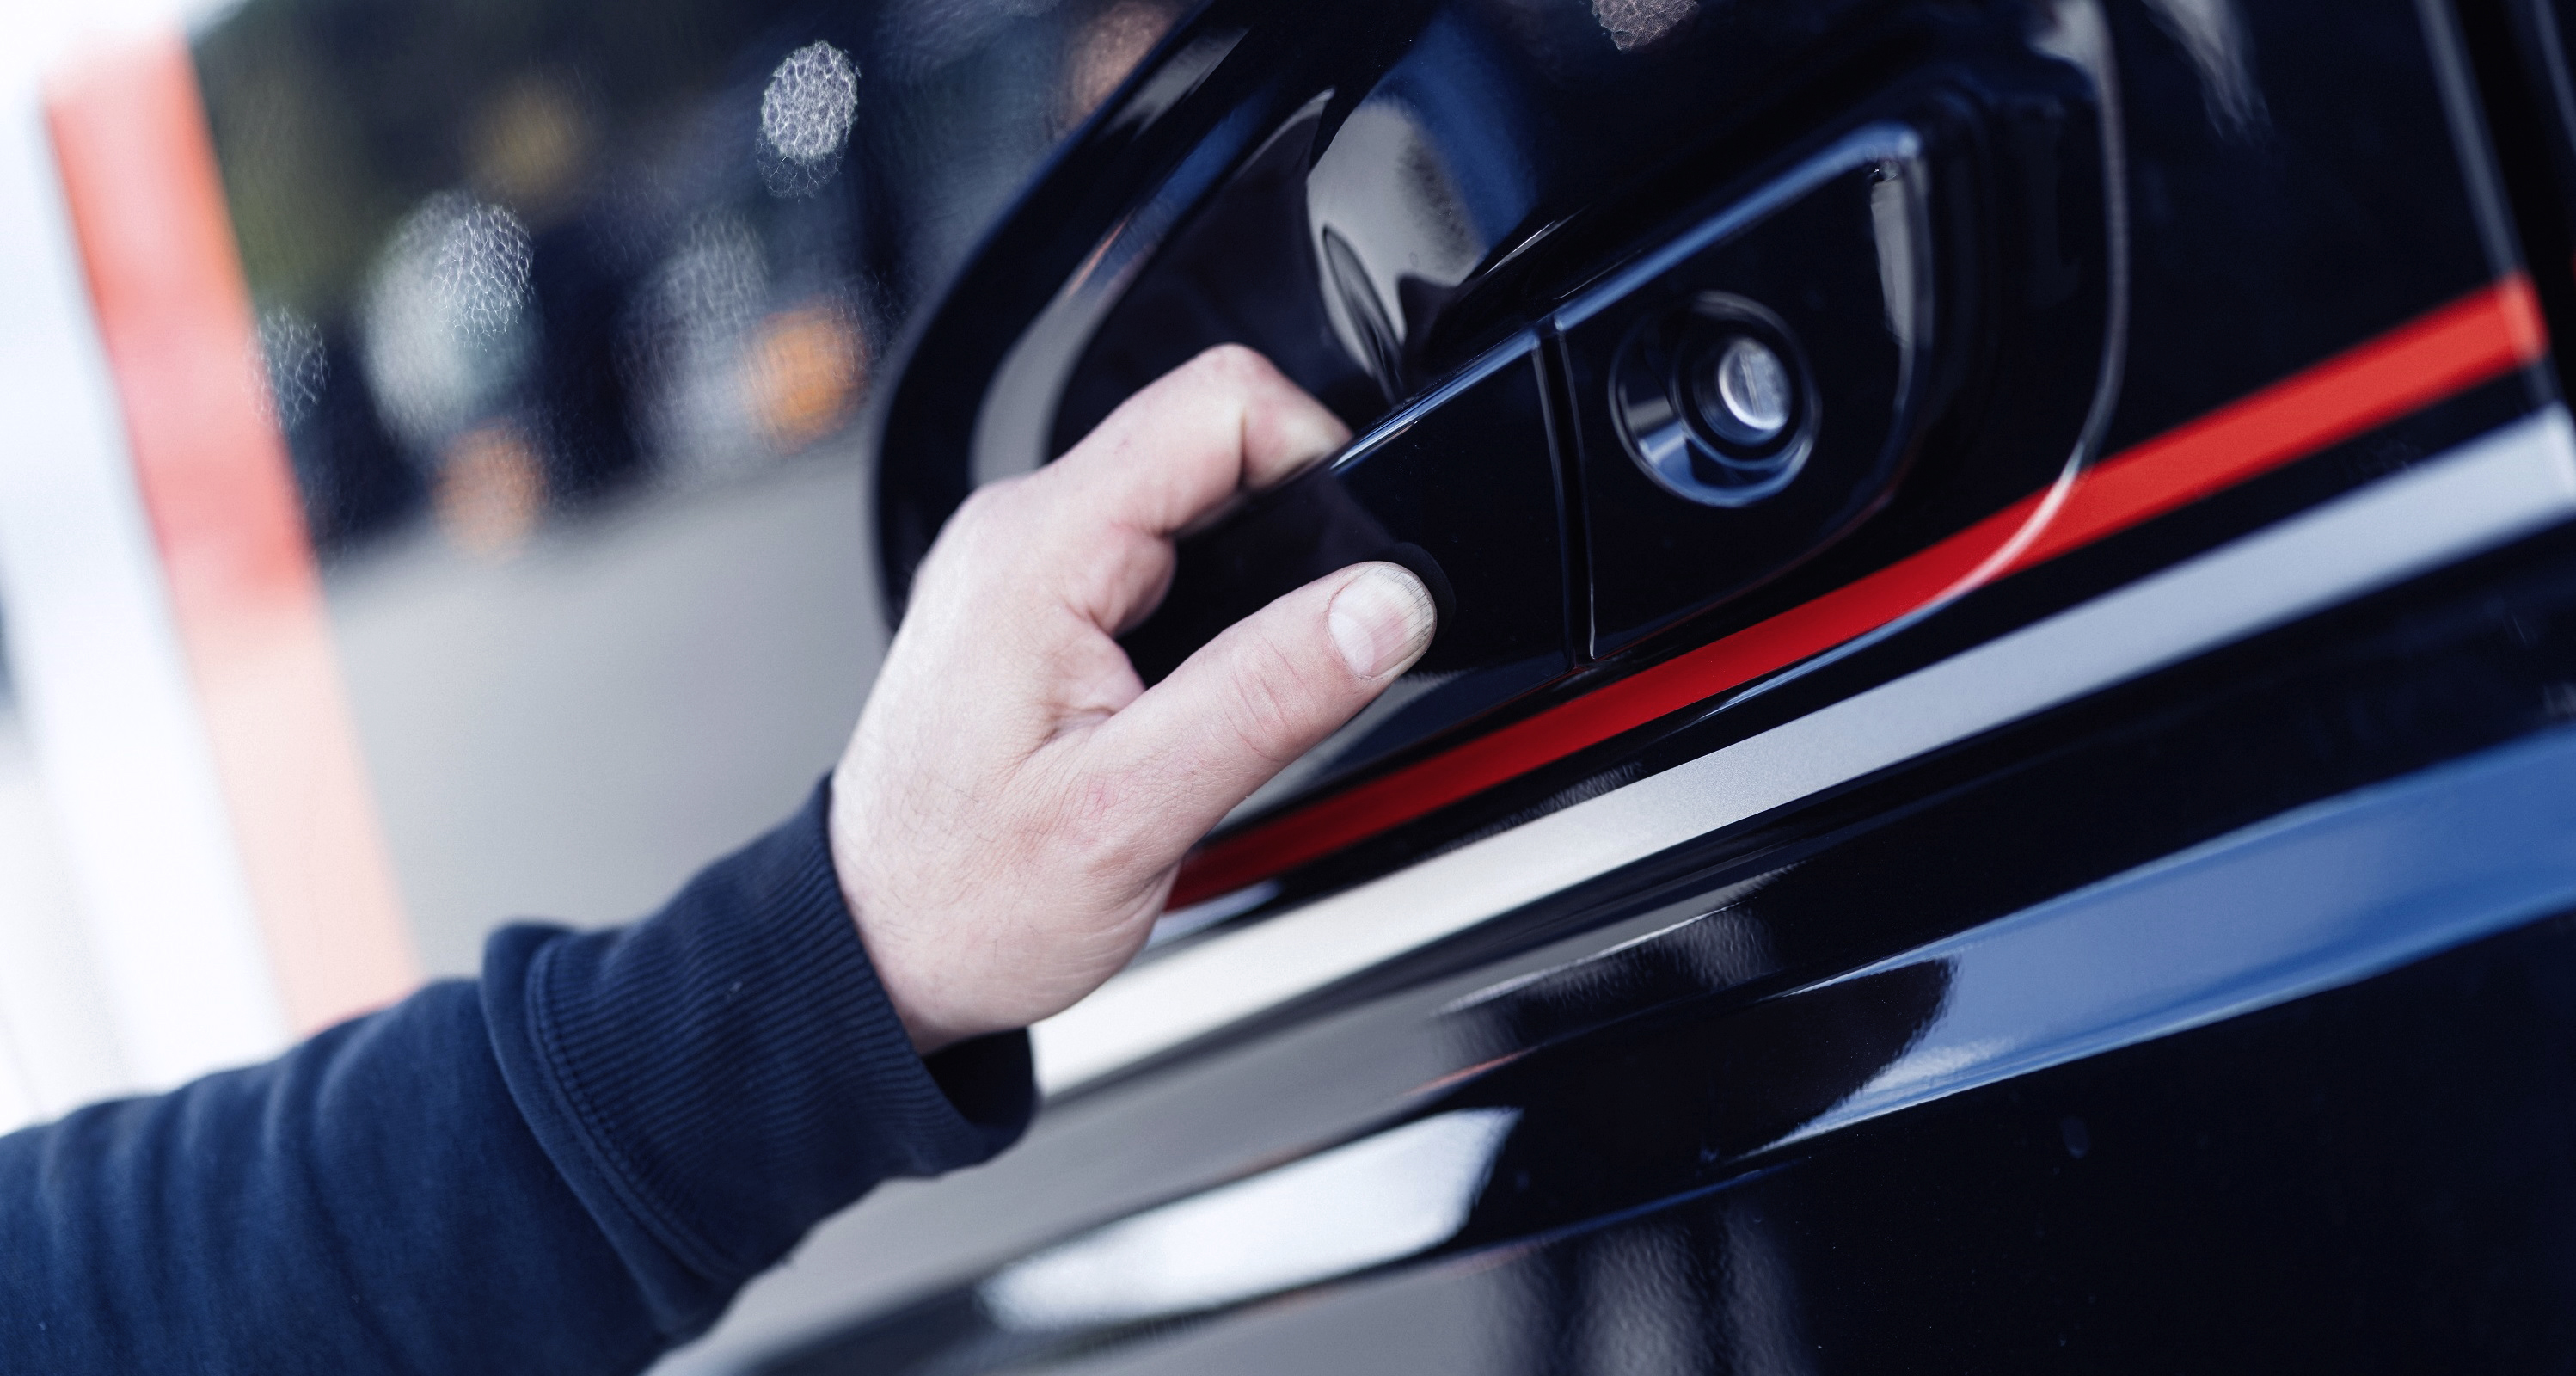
[1224, 423]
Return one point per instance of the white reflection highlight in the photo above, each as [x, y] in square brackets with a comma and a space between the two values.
[1901, 225]
[2311, 900]
[810, 104]
[445, 315]
[1392, 225]
[1633, 24]
[1373, 1201]
[2213, 35]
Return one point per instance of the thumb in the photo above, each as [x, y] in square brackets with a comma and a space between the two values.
[1263, 693]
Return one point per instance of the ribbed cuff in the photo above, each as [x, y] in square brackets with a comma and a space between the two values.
[719, 1078]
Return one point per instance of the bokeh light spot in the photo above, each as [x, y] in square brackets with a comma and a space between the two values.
[812, 100]
[444, 316]
[804, 372]
[528, 146]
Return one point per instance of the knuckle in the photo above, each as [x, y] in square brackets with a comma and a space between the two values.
[985, 531]
[1234, 365]
[986, 506]
[1269, 701]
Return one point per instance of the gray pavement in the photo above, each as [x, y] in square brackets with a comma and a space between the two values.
[570, 732]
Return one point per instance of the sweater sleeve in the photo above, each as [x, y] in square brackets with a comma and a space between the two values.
[568, 1168]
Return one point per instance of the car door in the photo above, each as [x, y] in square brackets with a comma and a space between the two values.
[1990, 794]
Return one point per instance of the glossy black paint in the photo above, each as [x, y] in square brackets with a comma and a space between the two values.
[1658, 1055]
[2276, 1193]
[2293, 189]
[1828, 261]
[2373, 1177]
[2059, 801]
[1974, 619]
[1241, 269]
[2304, 235]
[2252, 284]
[1990, 230]
[2289, 1177]
[1968, 294]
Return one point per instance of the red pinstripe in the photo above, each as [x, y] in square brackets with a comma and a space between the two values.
[2429, 359]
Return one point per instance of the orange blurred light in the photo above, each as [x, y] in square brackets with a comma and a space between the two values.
[528, 146]
[804, 371]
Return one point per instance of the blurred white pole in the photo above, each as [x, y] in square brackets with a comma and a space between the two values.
[58, 1045]
[178, 976]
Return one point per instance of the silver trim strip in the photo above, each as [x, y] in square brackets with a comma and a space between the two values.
[2515, 480]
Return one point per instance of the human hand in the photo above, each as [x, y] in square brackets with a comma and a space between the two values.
[1011, 809]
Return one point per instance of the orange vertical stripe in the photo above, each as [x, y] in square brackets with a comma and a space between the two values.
[174, 313]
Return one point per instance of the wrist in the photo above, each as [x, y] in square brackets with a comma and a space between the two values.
[915, 1005]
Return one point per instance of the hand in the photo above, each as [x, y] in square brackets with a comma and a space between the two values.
[1009, 814]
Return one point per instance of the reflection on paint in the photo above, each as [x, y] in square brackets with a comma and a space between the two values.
[2212, 34]
[1395, 233]
[1109, 48]
[1900, 222]
[1634, 24]
[1377, 1200]
[1198, 917]
[2311, 900]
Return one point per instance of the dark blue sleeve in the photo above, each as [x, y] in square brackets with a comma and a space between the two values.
[567, 1167]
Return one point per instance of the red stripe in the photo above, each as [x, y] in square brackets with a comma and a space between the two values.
[2440, 355]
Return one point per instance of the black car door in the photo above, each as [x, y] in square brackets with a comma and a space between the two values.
[1990, 792]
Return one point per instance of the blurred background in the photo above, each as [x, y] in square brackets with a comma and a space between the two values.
[564, 316]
